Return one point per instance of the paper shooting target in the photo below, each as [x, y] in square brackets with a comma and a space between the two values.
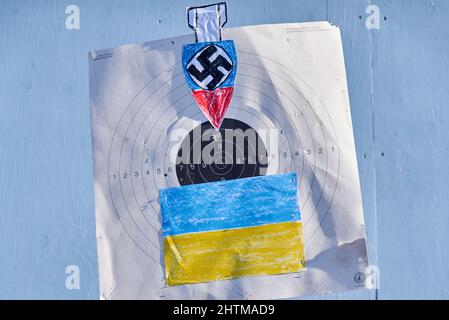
[142, 135]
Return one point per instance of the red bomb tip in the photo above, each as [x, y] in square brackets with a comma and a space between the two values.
[214, 104]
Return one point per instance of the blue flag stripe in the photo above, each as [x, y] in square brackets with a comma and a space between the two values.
[229, 204]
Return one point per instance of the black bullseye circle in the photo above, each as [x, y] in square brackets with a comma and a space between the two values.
[235, 151]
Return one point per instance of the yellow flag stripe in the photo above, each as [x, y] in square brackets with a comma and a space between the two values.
[226, 254]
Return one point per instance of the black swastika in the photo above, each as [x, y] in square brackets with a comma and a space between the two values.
[210, 68]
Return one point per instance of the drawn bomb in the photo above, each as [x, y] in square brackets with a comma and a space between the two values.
[210, 64]
[259, 231]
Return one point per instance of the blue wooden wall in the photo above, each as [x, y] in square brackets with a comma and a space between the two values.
[399, 88]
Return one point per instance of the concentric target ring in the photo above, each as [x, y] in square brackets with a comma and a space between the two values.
[189, 108]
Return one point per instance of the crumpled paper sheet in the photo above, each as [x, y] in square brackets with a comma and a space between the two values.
[291, 77]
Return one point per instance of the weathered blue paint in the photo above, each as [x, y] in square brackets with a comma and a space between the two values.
[398, 79]
[230, 204]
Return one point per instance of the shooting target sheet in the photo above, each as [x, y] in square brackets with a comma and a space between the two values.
[291, 91]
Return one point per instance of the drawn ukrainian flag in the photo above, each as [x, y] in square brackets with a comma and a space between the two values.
[230, 229]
